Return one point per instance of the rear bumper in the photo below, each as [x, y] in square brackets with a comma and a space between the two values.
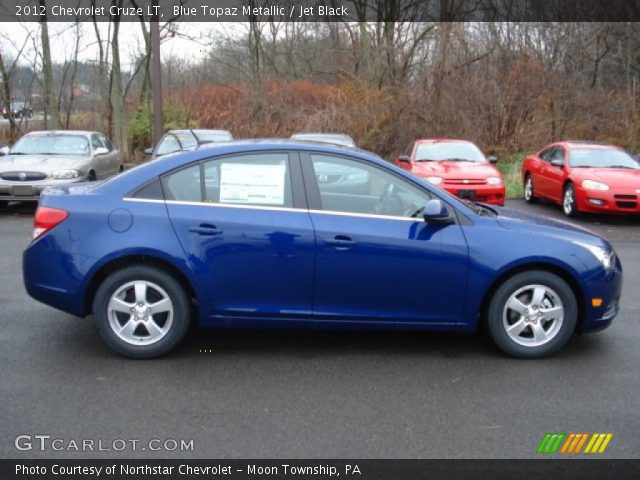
[618, 202]
[56, 278]
[491, 194]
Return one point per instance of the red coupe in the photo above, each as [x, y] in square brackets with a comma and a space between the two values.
[583, 177]
[457, 166]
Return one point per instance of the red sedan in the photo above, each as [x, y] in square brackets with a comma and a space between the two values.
[457, 166]
[583, 177]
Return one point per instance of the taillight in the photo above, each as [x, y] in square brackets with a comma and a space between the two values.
[46, 218]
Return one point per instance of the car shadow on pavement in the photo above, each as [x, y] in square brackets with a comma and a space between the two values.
[18, 209]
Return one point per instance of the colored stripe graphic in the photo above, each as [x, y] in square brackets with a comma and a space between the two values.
[572, 443]
[551, 442]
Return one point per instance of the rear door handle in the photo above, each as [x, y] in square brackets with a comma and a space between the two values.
[205, 229]
[340, 242]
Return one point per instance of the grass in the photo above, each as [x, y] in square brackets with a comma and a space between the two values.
[510, 168]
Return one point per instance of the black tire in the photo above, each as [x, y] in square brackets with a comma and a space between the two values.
[529, 190]
[176, 294]
[496, 315]
[92, 176]
[3, 204]
[570, 207]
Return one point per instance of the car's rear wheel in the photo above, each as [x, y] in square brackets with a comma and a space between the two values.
[141, 311]
[532, 315]
[569, 203]
[529, 192]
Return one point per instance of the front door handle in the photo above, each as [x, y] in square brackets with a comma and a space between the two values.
[340, 242]
[205, 229]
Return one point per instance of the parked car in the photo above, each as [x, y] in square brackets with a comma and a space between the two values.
[332, 138]
[52, 158]
[457, 166]
[19, 109]
[3, 149]
[184, 140]
[265, 244]
[583, 177]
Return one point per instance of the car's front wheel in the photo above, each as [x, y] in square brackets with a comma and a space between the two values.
[569, 202]
[529, 192]
[532, 314]
[141, 311]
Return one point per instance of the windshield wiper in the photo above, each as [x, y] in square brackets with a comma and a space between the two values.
[621, 166]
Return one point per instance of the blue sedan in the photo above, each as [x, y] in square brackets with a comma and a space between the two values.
[269, 233]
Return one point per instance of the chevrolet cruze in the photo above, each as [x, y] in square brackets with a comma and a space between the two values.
[244, 234]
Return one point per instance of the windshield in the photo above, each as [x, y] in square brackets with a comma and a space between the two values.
[602, 158]
[52, 144]
[343, 140]
[443, 151]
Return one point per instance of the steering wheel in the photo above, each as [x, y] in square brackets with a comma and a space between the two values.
[389, 202]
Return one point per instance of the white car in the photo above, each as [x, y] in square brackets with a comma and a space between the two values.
[54, 158]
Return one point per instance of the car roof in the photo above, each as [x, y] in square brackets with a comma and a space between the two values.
[588, 144]
[317, 136]
[442, 140]
[62, 132]
[196, 130]
[284, 144]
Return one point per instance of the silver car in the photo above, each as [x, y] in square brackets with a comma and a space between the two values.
[54, 158]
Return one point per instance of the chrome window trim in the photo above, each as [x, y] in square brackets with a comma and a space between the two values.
[277, 209]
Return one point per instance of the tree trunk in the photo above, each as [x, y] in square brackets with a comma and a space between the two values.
[51, 117]
[117, 98]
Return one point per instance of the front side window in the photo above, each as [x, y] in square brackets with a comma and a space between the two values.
[547, 154]
[257, 179]
[351, 186]
[168, 144]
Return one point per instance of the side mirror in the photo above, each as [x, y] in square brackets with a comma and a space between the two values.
[148, 151]
[556, 162]
[4, 151]
[436, 212]
[100, 151]
[404, 158]
[492, 159]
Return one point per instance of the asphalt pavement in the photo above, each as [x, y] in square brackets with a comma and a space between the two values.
[312, 394]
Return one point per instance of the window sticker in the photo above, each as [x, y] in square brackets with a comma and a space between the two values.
[252, 184]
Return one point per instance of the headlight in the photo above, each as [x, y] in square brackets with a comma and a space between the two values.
[67, 174]
[494, 181]
[604, 256]
[591, 185]
[434, 180]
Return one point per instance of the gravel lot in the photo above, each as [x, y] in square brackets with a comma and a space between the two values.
[309, 393]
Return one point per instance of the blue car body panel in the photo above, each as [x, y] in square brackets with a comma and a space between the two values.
[277, 267]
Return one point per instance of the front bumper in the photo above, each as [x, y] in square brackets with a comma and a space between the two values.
[611, 201]
[491, 194]
[30, 191]
[608, 287]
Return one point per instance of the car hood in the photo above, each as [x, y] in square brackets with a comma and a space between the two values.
[40, 163]
[620, 177]
[541, 225]
[467, 170]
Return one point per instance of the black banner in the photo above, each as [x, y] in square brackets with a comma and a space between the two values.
[320, 10]
[320, 469]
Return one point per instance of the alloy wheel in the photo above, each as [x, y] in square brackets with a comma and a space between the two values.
[533, 315]
[140, 312]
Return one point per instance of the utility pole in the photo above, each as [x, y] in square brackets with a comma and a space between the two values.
[156, 73]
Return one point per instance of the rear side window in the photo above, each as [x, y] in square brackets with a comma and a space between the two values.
[184, 185]
[257, 179]
[151, 191]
